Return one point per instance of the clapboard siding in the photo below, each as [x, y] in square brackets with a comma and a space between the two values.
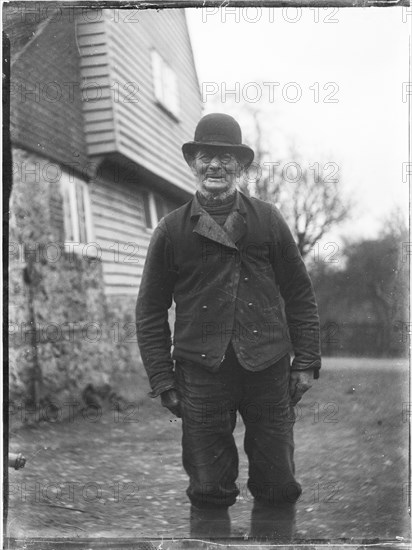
[125, 257]
[103, 104]
[115, 234]
[89, 28]
[145, 158]
[128, 282]
[96, 70]
[118, 43]
[118, 207]
[112, 119]
[102, 136]
[98, 117]
[98, 60]
[100, 210]
[117, 54]
[120, 231]
[100, 149]
[99, 124]
[107, 190]
[130, 265]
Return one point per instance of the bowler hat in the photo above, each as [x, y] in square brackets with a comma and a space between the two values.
[220, 131]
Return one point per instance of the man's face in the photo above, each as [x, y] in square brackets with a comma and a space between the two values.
[216, 170]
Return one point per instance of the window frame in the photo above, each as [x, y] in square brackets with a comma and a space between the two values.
[70, 186]
[165, 84]
[149, 198]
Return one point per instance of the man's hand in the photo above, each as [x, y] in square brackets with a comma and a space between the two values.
[171, 400]
[299, 383]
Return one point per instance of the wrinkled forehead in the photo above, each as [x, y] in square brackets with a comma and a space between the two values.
[213, 151]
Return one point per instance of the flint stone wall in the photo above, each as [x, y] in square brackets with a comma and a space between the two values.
[64, 333]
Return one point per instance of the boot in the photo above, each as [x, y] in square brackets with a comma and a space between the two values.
[273, 523]
[209, 523]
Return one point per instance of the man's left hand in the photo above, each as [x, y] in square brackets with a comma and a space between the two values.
[299, 383]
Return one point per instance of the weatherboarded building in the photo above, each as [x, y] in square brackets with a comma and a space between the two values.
[101, 101]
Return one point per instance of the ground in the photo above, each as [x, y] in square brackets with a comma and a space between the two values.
[121, 476]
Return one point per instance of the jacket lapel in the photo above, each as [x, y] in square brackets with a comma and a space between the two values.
[233, 229]
[207, 227]
[235, 226]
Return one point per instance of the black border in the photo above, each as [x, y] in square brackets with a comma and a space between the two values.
[153, 543]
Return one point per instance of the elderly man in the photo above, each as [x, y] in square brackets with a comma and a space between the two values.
[244, 303]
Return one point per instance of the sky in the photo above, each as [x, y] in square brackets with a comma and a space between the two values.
[337, 83]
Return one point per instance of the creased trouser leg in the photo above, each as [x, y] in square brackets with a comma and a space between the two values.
[269, 420]
[209, 405]
[210, 455]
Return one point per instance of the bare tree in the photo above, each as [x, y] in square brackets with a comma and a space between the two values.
[308, 196]
[371, 289]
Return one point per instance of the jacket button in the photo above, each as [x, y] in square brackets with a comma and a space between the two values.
[250, 304]
[246, 279]
[203, 356]
[204, 307]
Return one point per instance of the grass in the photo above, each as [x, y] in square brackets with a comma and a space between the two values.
[351, 454]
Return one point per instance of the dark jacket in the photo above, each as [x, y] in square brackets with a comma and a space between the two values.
[247, 285]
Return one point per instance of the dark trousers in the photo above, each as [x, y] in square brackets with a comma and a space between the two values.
[210, 402]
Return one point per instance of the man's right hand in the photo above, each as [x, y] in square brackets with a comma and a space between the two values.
[171, 400]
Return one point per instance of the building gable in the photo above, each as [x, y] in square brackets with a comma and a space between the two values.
[126, 116]
[45, 99]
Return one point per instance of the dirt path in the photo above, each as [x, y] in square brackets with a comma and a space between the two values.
[121, 476]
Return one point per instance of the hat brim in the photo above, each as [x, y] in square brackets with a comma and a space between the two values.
[243, 152]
